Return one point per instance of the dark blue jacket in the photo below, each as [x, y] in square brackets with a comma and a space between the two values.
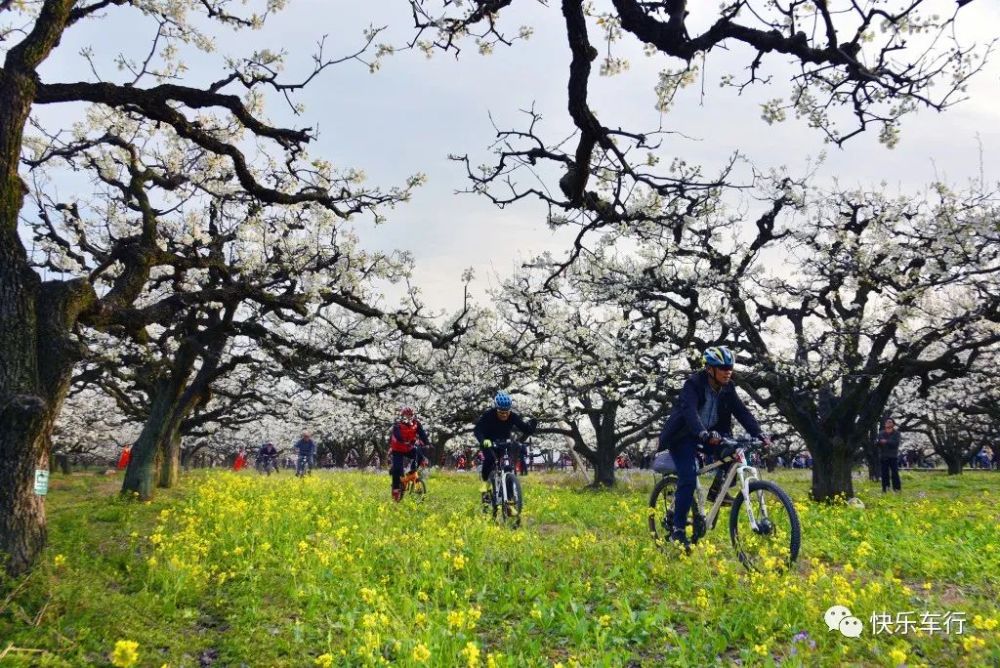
[305, 447]
[684, 423]
[489, 426]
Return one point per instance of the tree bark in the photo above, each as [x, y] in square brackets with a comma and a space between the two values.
[35, 318]
[831, 474]
[872, 459]
[148, 451]
[170, 467]
[953, 461]
[604, 466]
[62, 461]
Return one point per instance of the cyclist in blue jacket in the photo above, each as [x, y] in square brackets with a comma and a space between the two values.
[702, 415]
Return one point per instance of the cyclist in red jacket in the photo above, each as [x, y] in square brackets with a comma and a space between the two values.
[406, 438]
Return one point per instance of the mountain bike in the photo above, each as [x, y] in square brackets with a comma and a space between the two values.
[415, 482]
[763, 525]
[303, 466]
[505, 500]
[267, 465]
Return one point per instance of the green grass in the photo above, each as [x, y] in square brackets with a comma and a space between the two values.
[235, 569]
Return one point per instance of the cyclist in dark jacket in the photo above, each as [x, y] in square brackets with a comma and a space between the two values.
[495, 426]
[268, 454]
[306, 449]
[702, 415]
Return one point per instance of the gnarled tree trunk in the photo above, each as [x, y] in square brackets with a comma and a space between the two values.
[833, 459]
[35, 318]
[161, 427]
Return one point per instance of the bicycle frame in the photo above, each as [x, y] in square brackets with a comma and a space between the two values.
[304, 465]
[503, 468]
[419, 473]
[737, 468]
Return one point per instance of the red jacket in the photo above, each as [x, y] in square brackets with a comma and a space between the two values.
[405, 436]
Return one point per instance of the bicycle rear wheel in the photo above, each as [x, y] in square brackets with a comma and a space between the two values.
[661, 508]
[776, 540]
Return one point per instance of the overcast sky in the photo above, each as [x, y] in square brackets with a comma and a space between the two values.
[410, 115]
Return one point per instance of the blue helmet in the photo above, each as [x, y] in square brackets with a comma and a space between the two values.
[719, 356]
[503, 400]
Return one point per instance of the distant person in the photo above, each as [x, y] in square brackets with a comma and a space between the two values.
[305, 447]
[888, 445]
[406, 441]
[241, 459]
[124, 458]
[267, 456]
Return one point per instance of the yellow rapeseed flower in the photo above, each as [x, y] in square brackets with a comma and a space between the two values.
[458, 562]
[456, 619]
[421, 653]
[760, 649]
[125, 654]
[985, 623]
[324, 660]
[897, 656]
[59, 561]
[471, 654]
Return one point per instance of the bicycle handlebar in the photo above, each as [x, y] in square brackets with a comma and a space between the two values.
[745, 443]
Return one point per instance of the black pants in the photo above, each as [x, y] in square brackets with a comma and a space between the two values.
[399, 463]
[890, 465]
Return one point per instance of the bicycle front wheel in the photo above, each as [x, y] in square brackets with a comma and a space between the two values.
[418, 488]
[509, 511]
[515, 502]
[661, 508]
[775, 541]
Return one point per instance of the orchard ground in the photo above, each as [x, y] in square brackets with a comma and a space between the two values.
[238, 569]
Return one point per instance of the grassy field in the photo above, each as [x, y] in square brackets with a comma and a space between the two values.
[236, 569]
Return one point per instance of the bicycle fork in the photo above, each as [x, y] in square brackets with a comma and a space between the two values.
[746, 474]
[500, 488]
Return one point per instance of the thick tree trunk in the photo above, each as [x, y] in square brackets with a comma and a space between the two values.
[604, 468]
[874, 465]
[831, 474]
[22, 513]
[35, 318]
[442, 450]
[24, 410]
[148, 451]
[602, 458]
[954, 463]
[170, 467]
[62, 461]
